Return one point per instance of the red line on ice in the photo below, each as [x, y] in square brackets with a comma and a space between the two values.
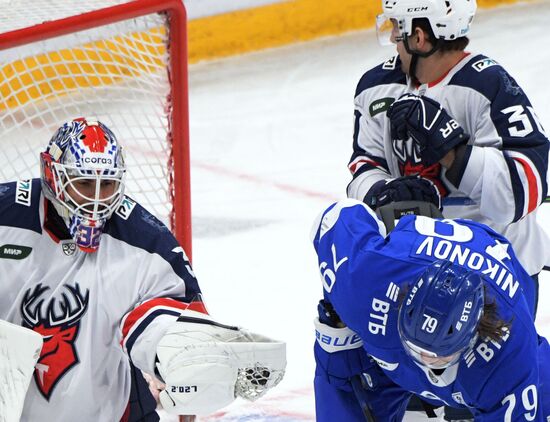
[261, 181]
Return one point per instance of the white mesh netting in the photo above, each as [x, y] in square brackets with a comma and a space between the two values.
[116, 73]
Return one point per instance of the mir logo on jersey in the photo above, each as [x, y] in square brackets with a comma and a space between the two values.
[9, 251]
[58, 324]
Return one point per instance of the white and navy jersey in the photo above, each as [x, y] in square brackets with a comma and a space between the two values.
[503, 176]
[365, 274]
[94, 310]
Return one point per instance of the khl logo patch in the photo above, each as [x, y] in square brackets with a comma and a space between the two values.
[68, 247]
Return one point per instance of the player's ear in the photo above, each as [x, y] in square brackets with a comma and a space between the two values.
[422, 39]
[418, 38]
[425, 41]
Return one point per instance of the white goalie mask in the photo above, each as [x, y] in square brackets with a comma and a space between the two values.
[449, 19]
[82, 173]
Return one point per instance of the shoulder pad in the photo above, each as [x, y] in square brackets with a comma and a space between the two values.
[19, 204]
[136, 226]
[487, 77]
[386, 73]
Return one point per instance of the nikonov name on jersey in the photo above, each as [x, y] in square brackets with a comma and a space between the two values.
[462, 255]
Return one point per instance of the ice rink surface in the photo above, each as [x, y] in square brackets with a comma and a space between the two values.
[271, 136]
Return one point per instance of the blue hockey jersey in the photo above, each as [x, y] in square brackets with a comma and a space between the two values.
[364, 275]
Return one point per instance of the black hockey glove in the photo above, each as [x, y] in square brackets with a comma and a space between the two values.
[406, 188]
[428, 124]
[327, 315]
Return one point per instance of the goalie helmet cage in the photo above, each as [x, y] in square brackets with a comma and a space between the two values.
[123, 62]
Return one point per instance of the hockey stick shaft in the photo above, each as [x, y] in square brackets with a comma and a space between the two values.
[357, 386]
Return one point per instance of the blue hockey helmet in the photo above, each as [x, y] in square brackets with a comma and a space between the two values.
[440, 314]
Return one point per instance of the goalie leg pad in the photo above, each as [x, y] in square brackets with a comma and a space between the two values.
[19, 352]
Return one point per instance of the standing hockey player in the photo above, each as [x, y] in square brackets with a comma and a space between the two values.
[110, 290]
[452, 118]
[437, 123]
[439, 308]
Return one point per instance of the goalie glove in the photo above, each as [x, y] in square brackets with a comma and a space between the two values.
[206, 365]
[428, 124]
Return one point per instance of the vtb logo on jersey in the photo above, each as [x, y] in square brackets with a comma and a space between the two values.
[58, 323]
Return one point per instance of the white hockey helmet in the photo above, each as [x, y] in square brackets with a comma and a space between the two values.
[449, 19]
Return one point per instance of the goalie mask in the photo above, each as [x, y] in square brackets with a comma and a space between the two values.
[439, 317]
[82, 172]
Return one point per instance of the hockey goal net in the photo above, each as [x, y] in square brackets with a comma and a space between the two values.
[121, 62]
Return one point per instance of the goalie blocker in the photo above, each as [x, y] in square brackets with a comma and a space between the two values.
[206, 365]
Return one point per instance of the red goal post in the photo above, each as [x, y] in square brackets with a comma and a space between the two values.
[123, 62]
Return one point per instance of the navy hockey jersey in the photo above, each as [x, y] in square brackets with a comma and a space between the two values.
[364, 273]
[504, 174]
[94, 310]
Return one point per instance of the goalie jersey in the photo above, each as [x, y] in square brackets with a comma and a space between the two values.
[365, 274]
[503, 173]
[96, 311]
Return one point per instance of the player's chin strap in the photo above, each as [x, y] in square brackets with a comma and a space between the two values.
[392, 212]
[415, 55]
[206, 365]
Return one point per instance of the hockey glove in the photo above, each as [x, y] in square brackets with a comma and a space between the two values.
[428, 124]
[406, 188]
[345, 365]
[206, 365]
[339, 354]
